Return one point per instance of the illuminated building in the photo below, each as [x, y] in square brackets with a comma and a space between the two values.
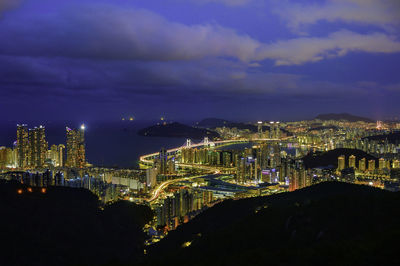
[396, 164]
[7, 158]
[151, 177]
[76, 147]
[163, 157]
[241, 171]
[299, 177]
[379, 125]
[271, 130]
[53, 154]
[382, 164]
[274, 130]
[371, 165]
[352, 161]
[362, 164]
[38, 146]
[341, 162]
[260, 129]
[23, 152]
[61, 155]
[277, 130]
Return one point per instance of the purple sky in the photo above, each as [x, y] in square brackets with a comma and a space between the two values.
[189, 59]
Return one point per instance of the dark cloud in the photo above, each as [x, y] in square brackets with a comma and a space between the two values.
[107, 59]
[8, 4]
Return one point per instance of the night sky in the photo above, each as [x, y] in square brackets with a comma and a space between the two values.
[190, 59]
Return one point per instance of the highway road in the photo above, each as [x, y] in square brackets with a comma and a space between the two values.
[165, 184]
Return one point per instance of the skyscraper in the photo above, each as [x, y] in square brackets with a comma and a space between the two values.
[341, 162]
[352, 161]
[61, 155]
[163, 157]
[22, 146]
[76, 147]
[37, 146]
[382, 163]
[259, 123]
[371, 165]
[362, 164]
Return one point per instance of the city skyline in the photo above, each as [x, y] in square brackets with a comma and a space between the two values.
[234, 59]
[199, 132]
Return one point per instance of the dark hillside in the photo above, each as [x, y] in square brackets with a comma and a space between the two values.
[64, 226]
[326, 224]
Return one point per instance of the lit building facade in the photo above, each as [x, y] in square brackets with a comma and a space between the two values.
[76, 156]
[37, 147]
[22, 146]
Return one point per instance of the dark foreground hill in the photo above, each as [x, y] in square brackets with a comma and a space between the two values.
[64, 226]
[326, 224]
[177, 130]
[330, 158]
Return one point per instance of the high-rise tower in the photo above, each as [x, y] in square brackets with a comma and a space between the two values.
[341, 162]
[352, 161]
[38, 146]
[22, 146]
[61, 155]
[76, 147]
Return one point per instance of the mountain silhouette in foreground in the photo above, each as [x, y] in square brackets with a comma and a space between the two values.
[326, 224]
[66, 226]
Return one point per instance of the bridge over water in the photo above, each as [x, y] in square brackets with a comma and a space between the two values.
[148, 159]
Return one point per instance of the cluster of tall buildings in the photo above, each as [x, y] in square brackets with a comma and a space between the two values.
[260, 164]
[31, 150]
[31, 147]
[261, 130]
[364, 165]
[209, 156]
[298, 176]
[179, 208]
[162, 169]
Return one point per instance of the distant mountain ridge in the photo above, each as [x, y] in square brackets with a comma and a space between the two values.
[343, 116]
